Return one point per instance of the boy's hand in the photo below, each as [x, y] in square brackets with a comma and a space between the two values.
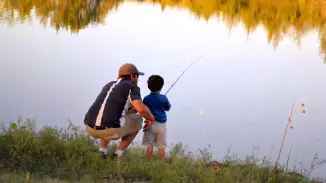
[148, 124]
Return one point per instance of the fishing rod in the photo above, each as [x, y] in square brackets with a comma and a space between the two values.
[172, 87]
[181, 75]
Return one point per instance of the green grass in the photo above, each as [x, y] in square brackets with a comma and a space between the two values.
[69, 155]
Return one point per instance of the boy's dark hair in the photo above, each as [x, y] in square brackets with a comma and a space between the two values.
[155, 83]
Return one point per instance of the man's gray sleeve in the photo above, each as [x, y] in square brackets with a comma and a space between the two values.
[135, 93]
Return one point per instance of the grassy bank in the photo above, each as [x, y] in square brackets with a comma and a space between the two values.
[68, 155]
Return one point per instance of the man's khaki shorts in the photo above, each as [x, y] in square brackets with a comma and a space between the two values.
[155, 135]
[133, 124]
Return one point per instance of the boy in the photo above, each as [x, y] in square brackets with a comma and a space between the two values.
[158, 104]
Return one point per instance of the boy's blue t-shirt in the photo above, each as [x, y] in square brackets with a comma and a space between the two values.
[157, 103]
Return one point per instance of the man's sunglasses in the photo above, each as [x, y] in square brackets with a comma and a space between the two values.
[136, 75]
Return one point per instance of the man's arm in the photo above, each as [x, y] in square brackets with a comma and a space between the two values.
[143, 110]
[132, 110]
[138, 104]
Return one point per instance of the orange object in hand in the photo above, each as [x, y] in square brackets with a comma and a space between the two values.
[148, 124]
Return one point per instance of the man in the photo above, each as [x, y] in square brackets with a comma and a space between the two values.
[113, 115]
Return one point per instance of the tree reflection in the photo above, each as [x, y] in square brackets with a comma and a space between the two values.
[72, 15]
[279, 18]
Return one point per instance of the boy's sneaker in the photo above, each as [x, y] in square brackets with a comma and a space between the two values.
[102, 155]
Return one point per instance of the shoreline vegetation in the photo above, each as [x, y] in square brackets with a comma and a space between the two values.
[279, 18]
[69, 155]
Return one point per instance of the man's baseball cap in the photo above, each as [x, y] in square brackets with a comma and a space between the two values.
[129, 68]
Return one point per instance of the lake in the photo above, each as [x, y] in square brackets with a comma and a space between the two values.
[257, 57]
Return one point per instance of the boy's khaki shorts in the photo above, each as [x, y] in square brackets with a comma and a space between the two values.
[132, 125]
[155, 136]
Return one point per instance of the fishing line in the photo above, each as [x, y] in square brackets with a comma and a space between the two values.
[201, 112]
[181, 75]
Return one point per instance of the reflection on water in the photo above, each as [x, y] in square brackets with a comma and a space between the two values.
[71, 15]
[279, 17]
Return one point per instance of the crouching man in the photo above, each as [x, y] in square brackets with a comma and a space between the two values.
[113, 115]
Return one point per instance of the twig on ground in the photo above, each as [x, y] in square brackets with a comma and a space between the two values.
[203, 157]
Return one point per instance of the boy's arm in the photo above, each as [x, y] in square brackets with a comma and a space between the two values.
[167, 104]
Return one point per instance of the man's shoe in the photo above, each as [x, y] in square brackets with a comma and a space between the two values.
[114, 156]
[103, 155]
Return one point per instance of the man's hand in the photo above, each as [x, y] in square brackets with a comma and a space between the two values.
[148, 124]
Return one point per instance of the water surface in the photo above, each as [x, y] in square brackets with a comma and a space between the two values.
[257, 58]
